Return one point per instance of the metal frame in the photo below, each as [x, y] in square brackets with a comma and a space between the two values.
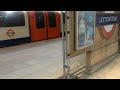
[68, 45]
[63, 45]
[76, 33]
[66, 57]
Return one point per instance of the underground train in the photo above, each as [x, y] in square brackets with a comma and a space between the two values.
[18, 27]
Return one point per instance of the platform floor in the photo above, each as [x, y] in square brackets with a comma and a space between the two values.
[37, 60]
[110, 71]
[43, 60]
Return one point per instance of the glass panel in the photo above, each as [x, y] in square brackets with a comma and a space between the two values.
[52, 19]
[39, 19]
[11, 19]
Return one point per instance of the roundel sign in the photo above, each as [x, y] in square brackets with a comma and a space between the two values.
[10, 33]
[108, 30]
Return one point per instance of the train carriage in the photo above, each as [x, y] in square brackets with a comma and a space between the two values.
[18, 27]
[14, 28]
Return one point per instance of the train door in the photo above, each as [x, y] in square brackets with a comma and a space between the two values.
[38, 29]
[53, 24]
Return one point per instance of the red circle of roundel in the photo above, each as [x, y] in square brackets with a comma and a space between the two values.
[107, 35]
[10, 33]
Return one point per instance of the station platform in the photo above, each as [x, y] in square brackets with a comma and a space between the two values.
[37, 60]
[44, 60]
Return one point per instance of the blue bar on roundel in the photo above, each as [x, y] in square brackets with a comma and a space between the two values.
[107, 19]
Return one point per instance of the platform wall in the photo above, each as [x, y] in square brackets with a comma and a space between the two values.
[101, 49]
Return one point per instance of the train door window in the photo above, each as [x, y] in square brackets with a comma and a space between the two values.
[39, 19]
[52, 19]
[11, 19]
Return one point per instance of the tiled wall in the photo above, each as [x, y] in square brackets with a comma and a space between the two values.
[102, 53]
[77, 62]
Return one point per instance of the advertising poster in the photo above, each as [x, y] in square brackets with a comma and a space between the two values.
[85, 28]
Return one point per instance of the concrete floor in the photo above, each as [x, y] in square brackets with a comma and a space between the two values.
[110, 71]
[39, 60]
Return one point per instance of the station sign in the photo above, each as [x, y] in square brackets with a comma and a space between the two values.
[107, 23]
[107, 19]
[10, 33]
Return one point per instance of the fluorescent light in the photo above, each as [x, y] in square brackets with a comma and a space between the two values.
[9, 12]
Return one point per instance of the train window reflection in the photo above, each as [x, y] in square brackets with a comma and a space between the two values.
[11, 19]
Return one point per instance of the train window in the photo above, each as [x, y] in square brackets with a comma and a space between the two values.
[52, 19]
[39, 20]
[11, 19]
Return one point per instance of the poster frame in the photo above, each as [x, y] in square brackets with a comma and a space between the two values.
[76, 32]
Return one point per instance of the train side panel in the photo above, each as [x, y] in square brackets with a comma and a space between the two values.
[14, 28]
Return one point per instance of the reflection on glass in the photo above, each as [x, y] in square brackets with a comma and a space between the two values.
[85, 28]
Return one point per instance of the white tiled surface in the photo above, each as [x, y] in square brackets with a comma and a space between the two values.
[37, 61]
[44, 61]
